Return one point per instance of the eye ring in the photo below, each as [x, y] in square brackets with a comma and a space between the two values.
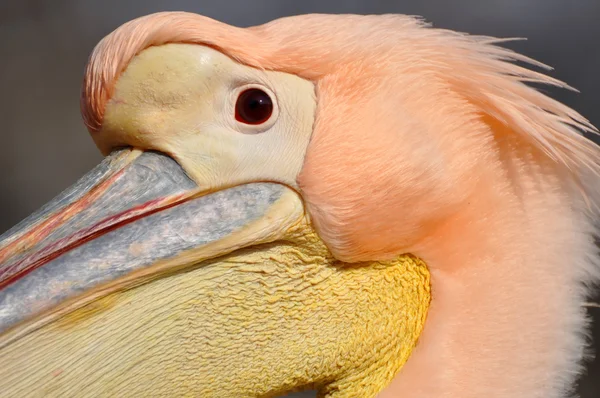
[255, 108]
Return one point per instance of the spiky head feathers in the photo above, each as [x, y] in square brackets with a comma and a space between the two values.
[410, 119]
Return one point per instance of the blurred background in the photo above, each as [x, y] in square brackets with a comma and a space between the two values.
[44, 45]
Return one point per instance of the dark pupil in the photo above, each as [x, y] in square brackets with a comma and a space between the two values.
[253, 106]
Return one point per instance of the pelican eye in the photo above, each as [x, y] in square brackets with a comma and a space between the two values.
[253, 106]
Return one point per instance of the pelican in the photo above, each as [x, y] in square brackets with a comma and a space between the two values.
[366, 206]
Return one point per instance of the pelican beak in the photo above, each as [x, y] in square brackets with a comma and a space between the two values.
[134, 216]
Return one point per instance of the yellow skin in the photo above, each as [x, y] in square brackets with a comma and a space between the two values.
[260, 322]
[267, 310]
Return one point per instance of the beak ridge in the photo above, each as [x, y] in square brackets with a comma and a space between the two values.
[132, 211]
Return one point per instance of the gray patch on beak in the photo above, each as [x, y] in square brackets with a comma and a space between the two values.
[133, 245]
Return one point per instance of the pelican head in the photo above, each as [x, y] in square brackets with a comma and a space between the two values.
[342, 203]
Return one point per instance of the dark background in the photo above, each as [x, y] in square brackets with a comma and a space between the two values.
[44, 45]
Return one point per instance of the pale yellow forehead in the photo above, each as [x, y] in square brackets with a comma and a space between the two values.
[180, 99]
[174, 75]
